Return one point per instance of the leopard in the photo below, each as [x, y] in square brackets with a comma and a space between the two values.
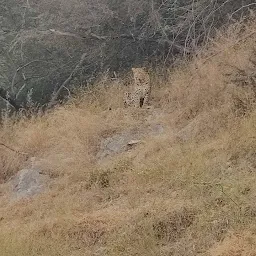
[139, 96]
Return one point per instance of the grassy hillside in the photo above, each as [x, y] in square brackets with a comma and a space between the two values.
[189, 191]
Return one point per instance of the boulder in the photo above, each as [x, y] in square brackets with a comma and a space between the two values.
[28, 183]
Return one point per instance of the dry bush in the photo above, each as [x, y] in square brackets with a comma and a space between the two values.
[170, 228]
[212, 85]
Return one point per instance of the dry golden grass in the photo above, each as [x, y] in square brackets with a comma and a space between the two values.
[190, 191]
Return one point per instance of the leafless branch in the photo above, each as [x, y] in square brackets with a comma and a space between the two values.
[67, 81]
[6, 97]
[20, 90]
[234, 44]
[241, 8]
[91, 35]
[17, 71]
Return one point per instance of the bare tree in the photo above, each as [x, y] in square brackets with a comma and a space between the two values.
[41, 42]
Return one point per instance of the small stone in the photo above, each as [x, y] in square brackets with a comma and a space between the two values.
[133, 142]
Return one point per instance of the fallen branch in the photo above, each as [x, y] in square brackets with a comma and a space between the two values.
[222, 190]
[14, 150]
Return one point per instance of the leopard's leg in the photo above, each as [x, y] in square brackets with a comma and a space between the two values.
[136, 102]
[146, 99]
[135, 99]
[142, 99]
[126, 99]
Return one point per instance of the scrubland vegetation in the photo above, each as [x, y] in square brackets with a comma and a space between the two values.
[188, 191]
[48, 48]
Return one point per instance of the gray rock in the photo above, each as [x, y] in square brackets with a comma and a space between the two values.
[133, 142]
[28, 183]
[119, 143]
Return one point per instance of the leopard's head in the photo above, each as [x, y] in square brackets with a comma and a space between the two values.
[141, 70]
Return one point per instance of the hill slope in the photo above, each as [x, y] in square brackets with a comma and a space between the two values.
[187, 190]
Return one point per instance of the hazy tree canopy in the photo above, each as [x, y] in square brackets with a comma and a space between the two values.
[50, 46]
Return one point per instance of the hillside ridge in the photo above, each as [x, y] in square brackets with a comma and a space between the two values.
[179, 177]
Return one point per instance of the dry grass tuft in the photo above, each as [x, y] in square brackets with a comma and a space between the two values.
[237, 244]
